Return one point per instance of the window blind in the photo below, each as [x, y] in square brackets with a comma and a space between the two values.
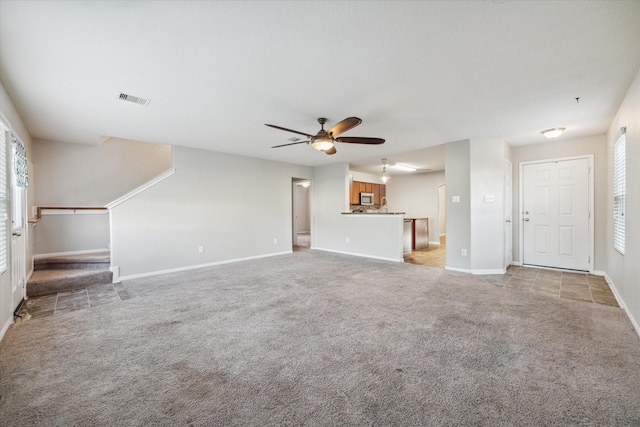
[619, 192]
[4, 203]
[20, 162]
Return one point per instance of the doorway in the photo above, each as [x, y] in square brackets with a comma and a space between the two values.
[556, 204]
[301, 215]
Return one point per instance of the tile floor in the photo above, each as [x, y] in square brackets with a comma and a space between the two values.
[572, 286]
[92, 296]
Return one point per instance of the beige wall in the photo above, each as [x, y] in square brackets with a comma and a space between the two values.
[595, 145]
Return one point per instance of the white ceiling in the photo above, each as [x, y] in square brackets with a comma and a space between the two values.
[418, 74]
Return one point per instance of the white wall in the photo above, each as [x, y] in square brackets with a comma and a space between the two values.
[623, 271]
[458, 181]
[474, 169]
[417, 195]
[375, 236]
[94, 175]
[302, 208]
[595, 145]
[487, 218]
[12, 119]
[210, 201]
[88, 175]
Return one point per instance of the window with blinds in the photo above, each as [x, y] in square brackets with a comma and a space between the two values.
[4, 211]
[619, 192]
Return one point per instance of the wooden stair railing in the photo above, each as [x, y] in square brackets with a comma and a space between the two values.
[64, 208]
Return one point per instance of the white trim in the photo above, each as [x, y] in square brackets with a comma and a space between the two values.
[140, 189]
[90, 251]
[45, 212]
[195, 267]
[516, 263]
[590, 158]
[477, 272]
[5, 328]
[459, 270]
[490, 271]
[115, 271]
[434, 244]
[360, 255]
[622, 305]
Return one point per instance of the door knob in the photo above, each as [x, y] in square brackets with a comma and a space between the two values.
[508, 220]
[526, 219]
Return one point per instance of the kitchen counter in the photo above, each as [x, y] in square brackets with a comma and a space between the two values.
[373, 213]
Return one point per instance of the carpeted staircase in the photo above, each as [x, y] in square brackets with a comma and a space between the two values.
[65, 273]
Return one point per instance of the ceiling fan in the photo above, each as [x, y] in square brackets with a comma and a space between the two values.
[325, 140]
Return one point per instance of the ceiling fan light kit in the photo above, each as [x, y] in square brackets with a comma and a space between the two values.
[325, 140]
[553, 133]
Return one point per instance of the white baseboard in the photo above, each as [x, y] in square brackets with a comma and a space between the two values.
[192, 267]
[5, 328]
[89, 251]
[622, 305]
[361, 255]
[434, 244]
[516, 263]
[459, 270]
[476, 272]
[116, 274]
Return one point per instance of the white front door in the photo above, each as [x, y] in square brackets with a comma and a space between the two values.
[556, 229]
[18, 236]
[508, 209]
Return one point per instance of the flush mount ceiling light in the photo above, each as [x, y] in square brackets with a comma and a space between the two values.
[384, 177]
[402, 167]
[553, 133]
[134, 99]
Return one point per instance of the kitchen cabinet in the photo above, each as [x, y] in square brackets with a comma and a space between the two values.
[354, 193]
[379, 191]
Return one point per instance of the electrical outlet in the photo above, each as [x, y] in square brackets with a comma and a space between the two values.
[463, 252]
[201, 249]
[275, 240]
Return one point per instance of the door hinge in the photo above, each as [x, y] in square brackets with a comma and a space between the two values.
[589, 260]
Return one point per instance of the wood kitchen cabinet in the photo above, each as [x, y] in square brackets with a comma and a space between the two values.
[354, 193]
[376, 194]
[379, 191]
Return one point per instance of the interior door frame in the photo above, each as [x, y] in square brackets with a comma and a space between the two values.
[521, 166]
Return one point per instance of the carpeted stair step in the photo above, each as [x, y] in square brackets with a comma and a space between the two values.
[91, 261]
[45, 282]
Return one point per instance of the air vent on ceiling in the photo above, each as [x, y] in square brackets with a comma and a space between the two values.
[134, 99]
[294, 139]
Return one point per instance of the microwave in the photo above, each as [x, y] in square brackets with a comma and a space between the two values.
[366, 199]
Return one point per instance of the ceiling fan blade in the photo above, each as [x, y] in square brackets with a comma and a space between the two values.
[293, 143]
[290, 130]
[360, 140]
[331, 150]
[343, 126]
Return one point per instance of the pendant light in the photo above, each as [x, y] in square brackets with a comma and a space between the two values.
[385, 177]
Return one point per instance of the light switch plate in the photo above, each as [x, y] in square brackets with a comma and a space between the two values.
[455, 199]
[489, 198]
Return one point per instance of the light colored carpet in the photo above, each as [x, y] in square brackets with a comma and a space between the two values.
[314, 338]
